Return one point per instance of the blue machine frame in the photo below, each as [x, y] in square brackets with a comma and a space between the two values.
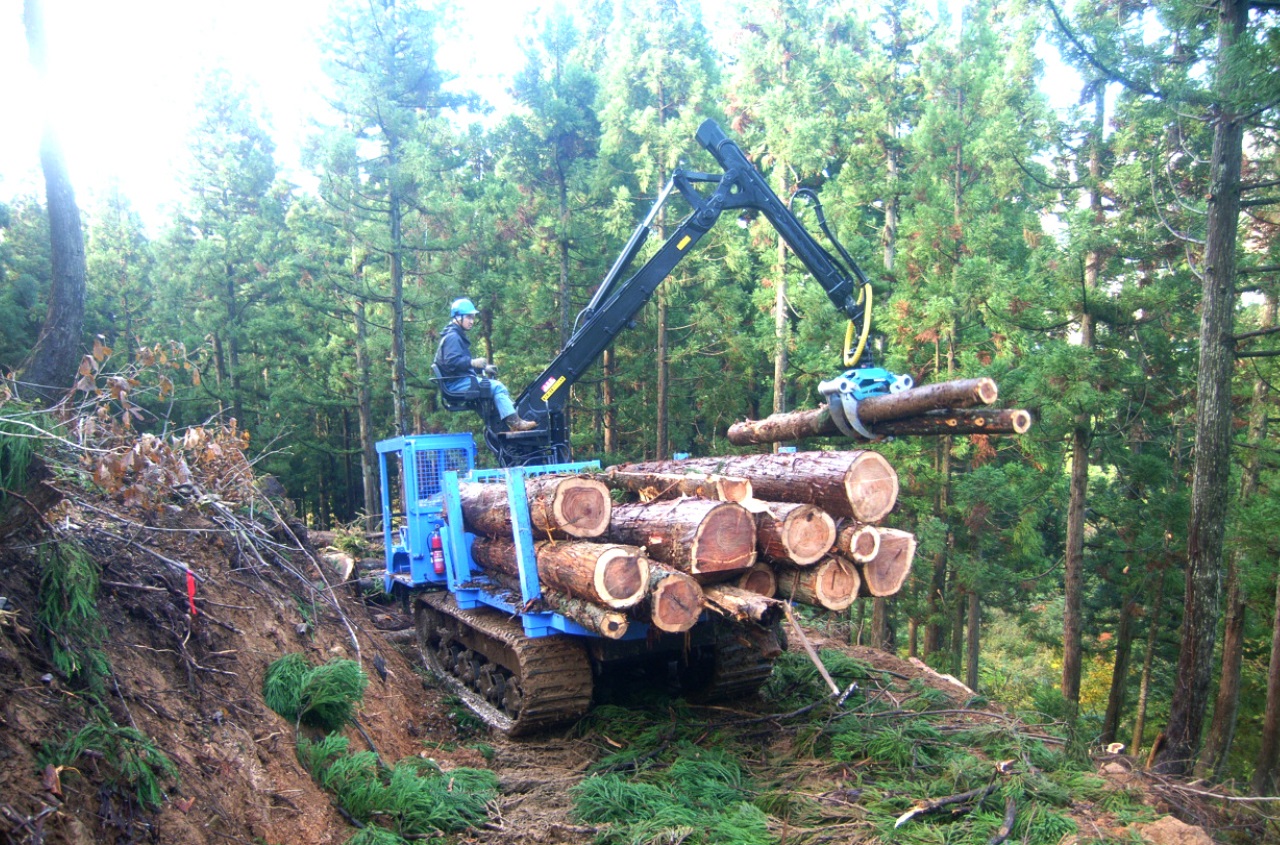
[430, 467]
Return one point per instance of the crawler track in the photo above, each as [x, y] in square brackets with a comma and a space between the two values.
[515, 684]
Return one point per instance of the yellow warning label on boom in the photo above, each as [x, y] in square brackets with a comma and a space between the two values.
[554, 387]
[684, 242]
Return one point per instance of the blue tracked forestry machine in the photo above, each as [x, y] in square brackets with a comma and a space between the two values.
[521, 666]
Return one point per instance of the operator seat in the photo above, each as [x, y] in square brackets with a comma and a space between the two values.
[475, 397]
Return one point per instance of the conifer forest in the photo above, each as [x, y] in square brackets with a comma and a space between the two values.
[1113, 267]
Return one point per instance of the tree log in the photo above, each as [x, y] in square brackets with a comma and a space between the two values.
[743, 606]
[609, 574]
[817, 422]
[675, 600]
[651, 485]
[860, 543]
[697, 536]
[560, 507]
[860, 484]
[604, 621]
[885, 574]
[832, 584]
[758, 579]
[794, 533]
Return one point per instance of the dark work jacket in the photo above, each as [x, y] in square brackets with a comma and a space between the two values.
[454, 355]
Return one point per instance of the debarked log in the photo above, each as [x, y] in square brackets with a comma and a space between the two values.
[743, 606]
[793, 532]
[606, 573]
[560, 507]
[859, 483]
[697, 536]
[833, 583]
[653, 485]
[817, 422]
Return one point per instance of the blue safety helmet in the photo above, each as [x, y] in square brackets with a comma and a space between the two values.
[461, 308]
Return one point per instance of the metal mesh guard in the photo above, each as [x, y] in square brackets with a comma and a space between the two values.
[432, 464]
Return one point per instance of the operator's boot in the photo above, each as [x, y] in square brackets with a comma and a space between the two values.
[514, 423]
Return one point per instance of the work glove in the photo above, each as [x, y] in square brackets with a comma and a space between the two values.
[479, 363]
[490, 371]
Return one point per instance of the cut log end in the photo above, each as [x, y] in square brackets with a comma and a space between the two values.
[726, 540]
[872, 487]
[1021, 421]
[760, 580]
[675, 604]
[860, 543]
[623, 576]
[582, 507]
[987, 391]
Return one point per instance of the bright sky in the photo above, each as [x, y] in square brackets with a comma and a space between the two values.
[126, 75]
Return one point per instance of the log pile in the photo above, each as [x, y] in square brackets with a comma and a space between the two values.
[733, 536]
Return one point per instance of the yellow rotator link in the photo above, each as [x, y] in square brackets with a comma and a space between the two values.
[851, 358]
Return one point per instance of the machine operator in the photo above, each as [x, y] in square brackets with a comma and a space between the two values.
[456, 365]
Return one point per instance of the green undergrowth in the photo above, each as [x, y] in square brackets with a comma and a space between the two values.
[129, 761]
[817, 772]
[414, 800]
[132, 763]
[321, 697]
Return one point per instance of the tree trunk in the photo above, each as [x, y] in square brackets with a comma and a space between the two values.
[697, 536]
[51, 367]
[832, 584]
[1119, 675]
[880, 623]
[973, 626]
[794, 533]
[885, 574]
[399, 398]
[1154, 612]
[859, 484]
[610, 406]
[1212, 473]
[364, 412]
[559, 507]
[1266, 772]
[1226, 708]
[608, 574]
[652, 485]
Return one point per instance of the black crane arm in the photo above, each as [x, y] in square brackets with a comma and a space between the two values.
[616, 303]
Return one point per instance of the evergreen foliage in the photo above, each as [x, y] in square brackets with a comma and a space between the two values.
[414, 798]
[322, 696]
[134, 764]
[68, 612]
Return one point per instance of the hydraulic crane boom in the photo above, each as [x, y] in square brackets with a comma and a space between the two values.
[616, 303]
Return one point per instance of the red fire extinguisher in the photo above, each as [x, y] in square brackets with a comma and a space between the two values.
[437, 554]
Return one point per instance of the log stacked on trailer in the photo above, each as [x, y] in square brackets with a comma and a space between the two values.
[797, 528]
[809, 532]
[707, 539]
[859, 484]
[560, 507]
